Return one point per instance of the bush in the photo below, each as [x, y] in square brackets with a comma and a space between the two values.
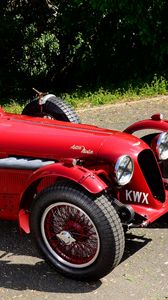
[60, 45]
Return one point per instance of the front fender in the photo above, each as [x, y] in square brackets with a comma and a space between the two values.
[158, 124]
[78, 174]
[84, 177]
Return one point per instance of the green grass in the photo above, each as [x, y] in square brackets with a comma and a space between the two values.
[83, 99]
[13, 107]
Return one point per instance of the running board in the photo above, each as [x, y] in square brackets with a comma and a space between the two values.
[24, 163]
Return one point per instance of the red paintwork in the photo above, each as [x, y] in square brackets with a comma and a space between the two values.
[97, 148]
[156, 122]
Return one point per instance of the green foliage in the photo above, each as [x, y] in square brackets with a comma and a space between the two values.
[38, 56]
[13, 107]
[59, 45]
[89, 98]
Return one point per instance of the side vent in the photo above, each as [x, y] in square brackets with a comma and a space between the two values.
[24, 163]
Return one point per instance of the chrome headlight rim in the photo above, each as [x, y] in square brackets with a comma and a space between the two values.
[162, 146]
[124, 169]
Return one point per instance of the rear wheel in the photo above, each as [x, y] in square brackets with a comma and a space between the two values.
[81, 236]
[52, 108]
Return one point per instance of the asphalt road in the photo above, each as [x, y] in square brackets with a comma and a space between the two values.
[143, 272]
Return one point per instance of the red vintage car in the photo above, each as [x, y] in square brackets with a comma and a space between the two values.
[76, 187]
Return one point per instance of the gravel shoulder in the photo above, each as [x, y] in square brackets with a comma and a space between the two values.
[121, 115]
[143, 272]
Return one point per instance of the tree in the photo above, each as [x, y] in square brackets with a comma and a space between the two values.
[61, 44]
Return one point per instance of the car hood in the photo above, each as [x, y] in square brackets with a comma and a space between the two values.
[37, 137]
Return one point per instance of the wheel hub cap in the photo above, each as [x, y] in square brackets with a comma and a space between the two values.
[65, 237]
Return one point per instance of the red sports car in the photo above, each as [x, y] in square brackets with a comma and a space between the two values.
[76, 187]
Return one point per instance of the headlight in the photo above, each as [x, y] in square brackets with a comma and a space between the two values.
[162, 146]
[124, 168]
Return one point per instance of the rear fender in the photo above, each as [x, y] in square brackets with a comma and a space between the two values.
[155, 122]
[84, 177]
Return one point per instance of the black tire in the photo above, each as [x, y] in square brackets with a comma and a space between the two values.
[88, 239]
[53, 108]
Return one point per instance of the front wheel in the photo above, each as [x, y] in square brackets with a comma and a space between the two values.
[80, 235]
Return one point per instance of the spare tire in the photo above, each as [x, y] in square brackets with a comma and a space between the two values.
[52, 107]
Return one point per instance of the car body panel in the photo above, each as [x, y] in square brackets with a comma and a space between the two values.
[33, 134]
[63, 145]
[161, 125]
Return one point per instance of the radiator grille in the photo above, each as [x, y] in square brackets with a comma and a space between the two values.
[150, 169]
[164, 168]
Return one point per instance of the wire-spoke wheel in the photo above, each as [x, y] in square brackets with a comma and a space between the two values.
[70, 235]
[80, 235]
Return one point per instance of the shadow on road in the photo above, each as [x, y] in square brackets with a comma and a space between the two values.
[135, 242]
[32, 273]
[21, 267]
